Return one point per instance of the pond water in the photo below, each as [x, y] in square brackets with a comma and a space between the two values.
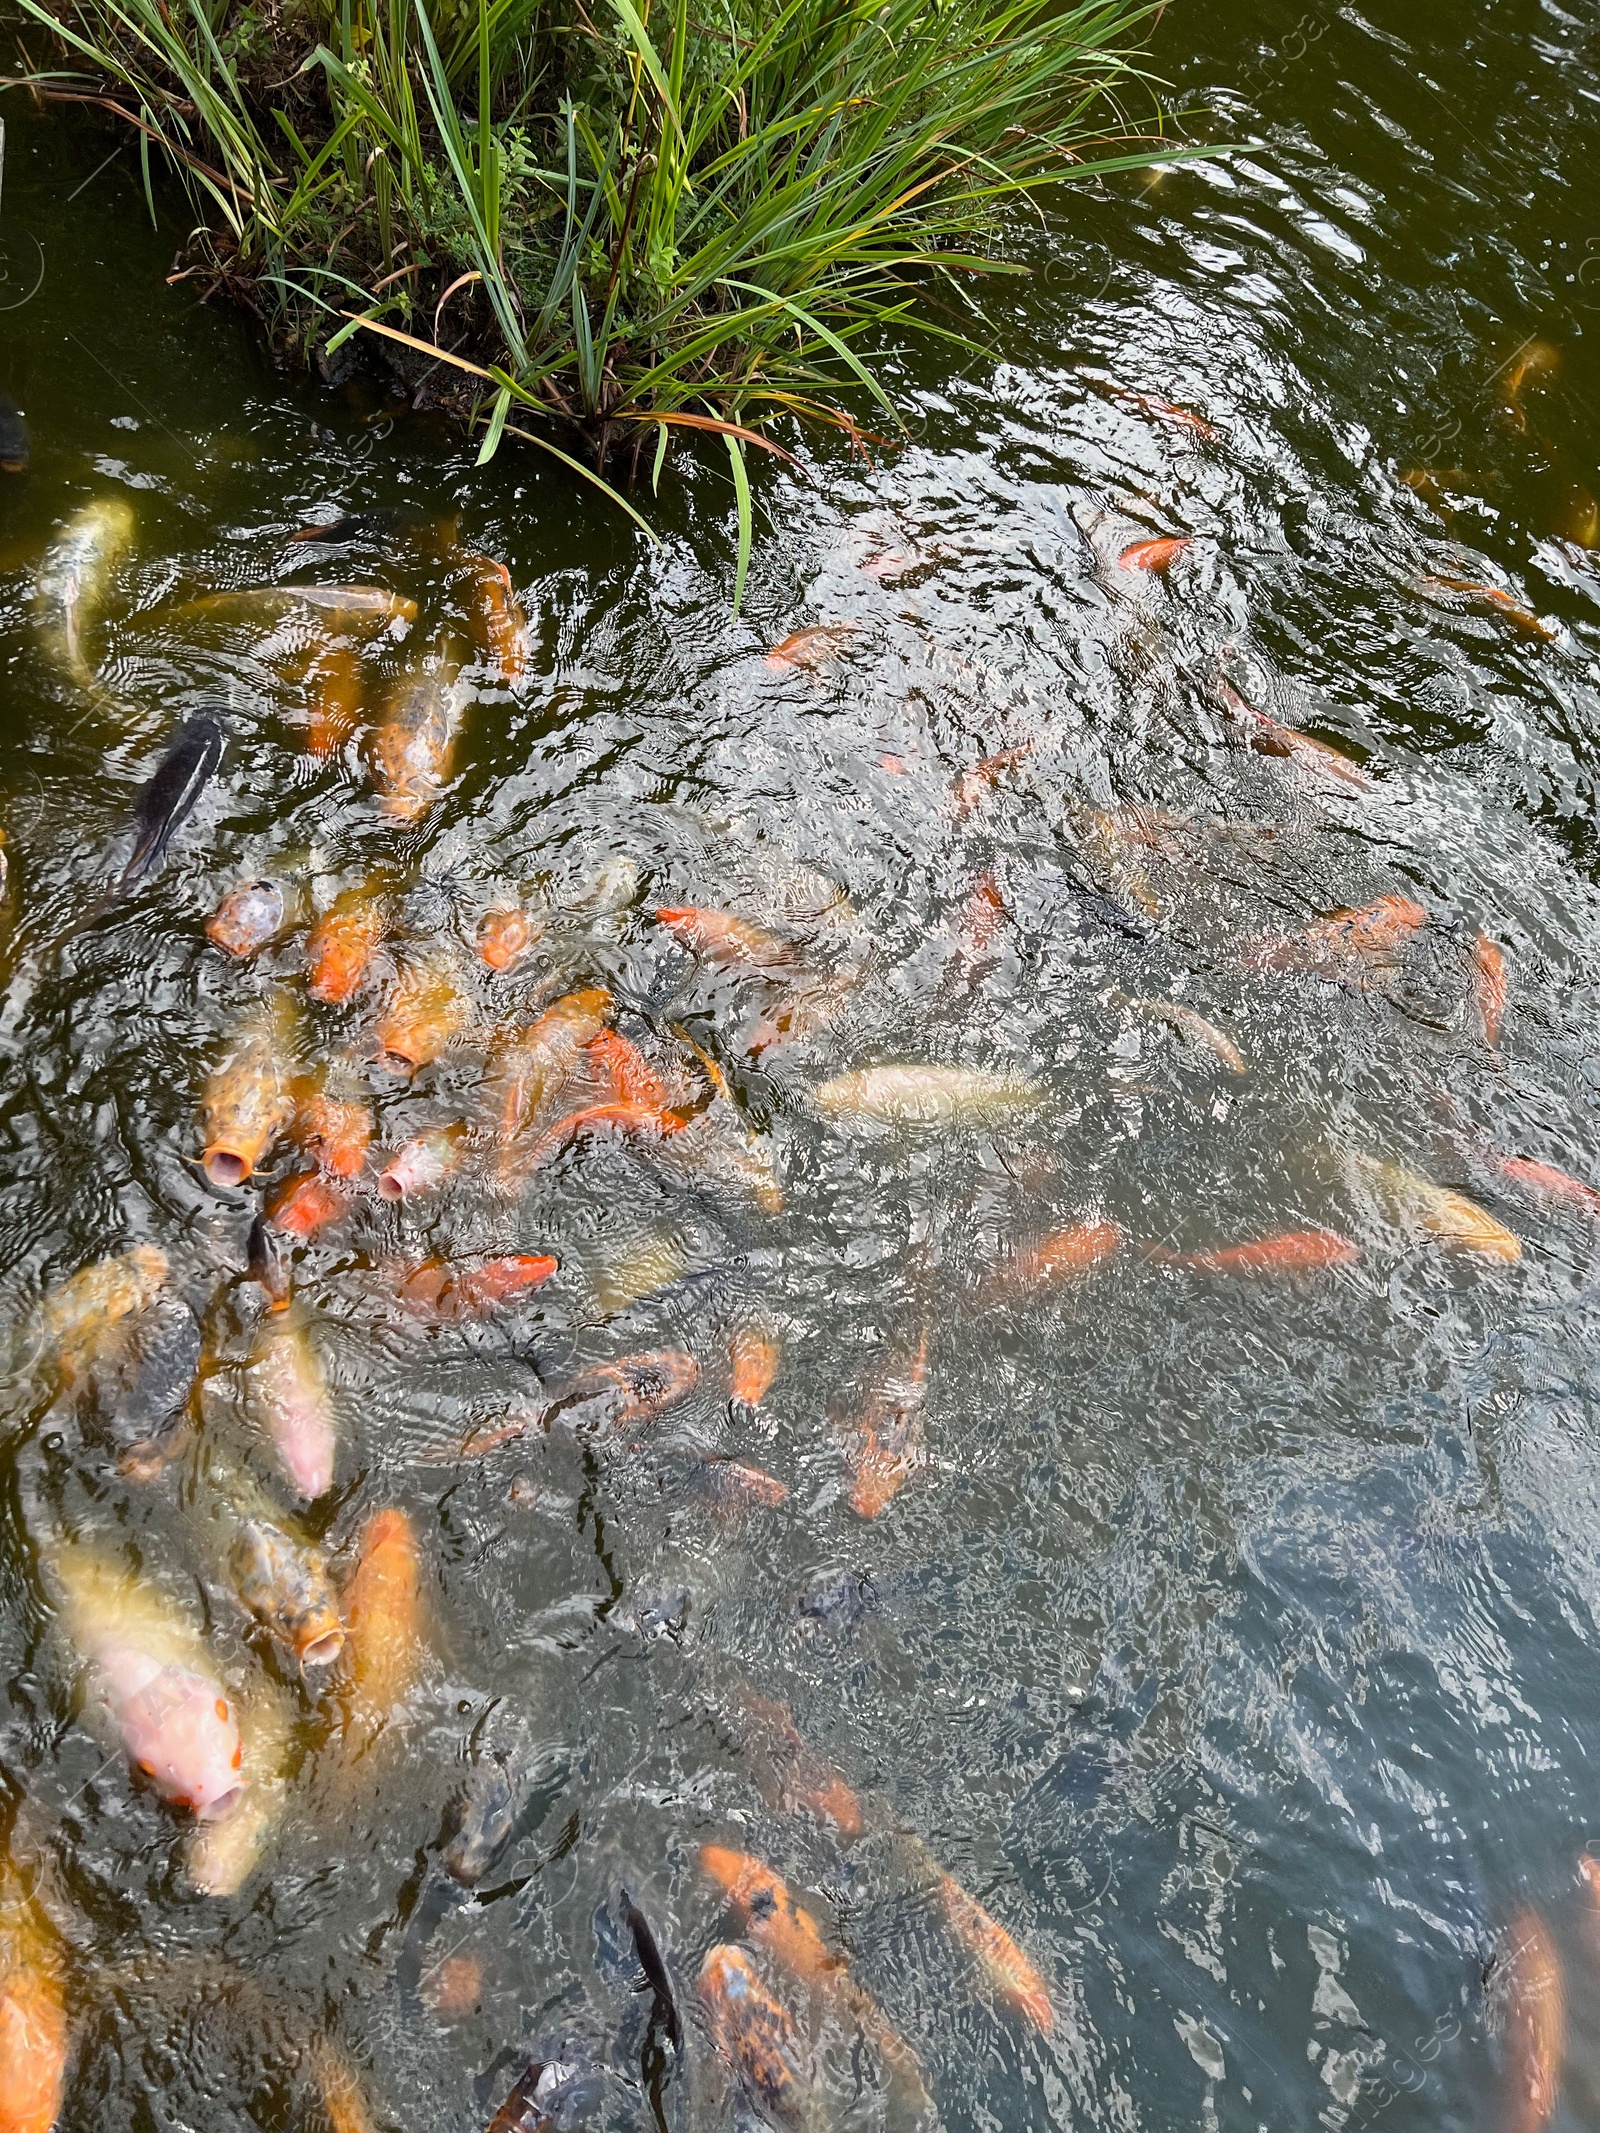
[1225, 1630]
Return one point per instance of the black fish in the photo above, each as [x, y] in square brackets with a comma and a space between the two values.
[654, 1968]
[834, 1603]
[13, 440]
[265, 1263]
[143, 1394]
[385, 522]
[479, 1821]
[168, 798]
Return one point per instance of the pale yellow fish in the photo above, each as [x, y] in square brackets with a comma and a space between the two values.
[1457, 1222]
[222, 1854]
[1195, 1030]
[69, 590]
[928, 1095]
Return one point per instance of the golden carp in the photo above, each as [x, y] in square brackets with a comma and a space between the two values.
[249, 1097]
[70, 587]
[350, 610]
[530, 1070]
[426, 1161]
[333, 712]
[1457, 1222]
[498, 624]
[887, 1445]
[289, 1394]
[626, 1073]
[505, 936]
[147, 1675]
[813, 650]
[1490, 989]
[1535, 2023]
[928, 1096]
[1154, 556]
[1196, 1031]
[84, 1321]
[721, 938]
[385, 1646]
[33, 2013]
[1536, 362]
[247, 918]
[426, 1013]
[410, 750]
[450, 1290]
[767, 1911]
[1292, 1251]
[343, 2098]
[342, 943]
[754, 1354]
[1470, 596]
[753, 2033]
[1007, 1969]
[284, 1583]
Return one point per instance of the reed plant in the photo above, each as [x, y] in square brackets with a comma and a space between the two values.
[634, 216]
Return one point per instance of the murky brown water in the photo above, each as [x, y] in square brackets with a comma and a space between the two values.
[1233, 1643]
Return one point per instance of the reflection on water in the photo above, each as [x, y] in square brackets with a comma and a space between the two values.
[1131, 1472]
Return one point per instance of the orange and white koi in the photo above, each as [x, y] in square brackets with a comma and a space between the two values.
[289, 1394]
[753, 2033]
[730, 942]
[1470, 596]
[1197, 1032]
[425, 1162]
[802, 1781]
[1268, 736]
[505, 936]
[334, 1131]
[529, 1070]
[304, 1204]
[451, 1290]
[246, 919]
[1017, 1980]
[411, 749]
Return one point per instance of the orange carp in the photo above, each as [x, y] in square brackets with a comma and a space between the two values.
[1469, 596]
[721, 938]
[635, 1388]
[1159, 410]
[1291, 1251]
[887, 1445]
[626, 1072]
[1546, 1181]
[802, 1781]
[1269, 736]
[499, 626]
[1050, 1264]
[334, 1131]
[754, 1354]
[1535, 363]
[635, 1122]
[1197, 1032]
[341, 945]
[427, 1012]
[289, 1394]
[248, 1099]
[504, 937]
[148, 1678]
[305, 1204]
[246, 919]
[451, 1290]
[1535, 2023]
[385, 1645]
[1375, 935]
[978, 780]
[33, 2013]
[1007, 1969]
[411, 749]
[813, 650]
[1490, 989]
[1155, 556]
[753, 2033]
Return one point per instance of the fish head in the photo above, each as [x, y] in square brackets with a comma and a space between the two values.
[183, 1734]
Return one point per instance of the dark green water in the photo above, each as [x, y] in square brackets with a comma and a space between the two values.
[1235, 1646]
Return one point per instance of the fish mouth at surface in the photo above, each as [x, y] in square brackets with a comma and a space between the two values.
[224, 1167]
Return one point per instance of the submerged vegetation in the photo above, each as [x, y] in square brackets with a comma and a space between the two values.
[647, 216]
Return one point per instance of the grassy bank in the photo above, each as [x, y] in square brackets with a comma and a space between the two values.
[651, 217]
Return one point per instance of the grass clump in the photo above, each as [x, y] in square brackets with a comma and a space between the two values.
[662, 213]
